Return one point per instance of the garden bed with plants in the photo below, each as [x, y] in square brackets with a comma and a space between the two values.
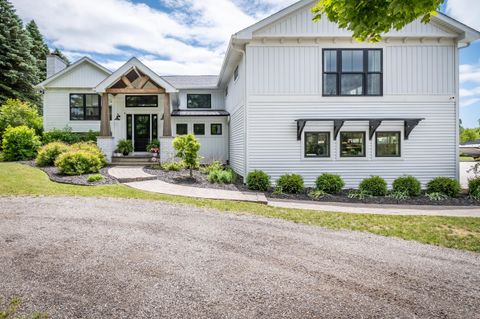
[405, 190]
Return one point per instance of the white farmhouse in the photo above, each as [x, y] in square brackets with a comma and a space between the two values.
[293, 96]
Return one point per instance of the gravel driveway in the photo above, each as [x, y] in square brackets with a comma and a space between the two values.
[109, 258]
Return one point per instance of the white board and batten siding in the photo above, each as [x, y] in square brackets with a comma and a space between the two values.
[213, 147]
[235, 105]
[285, 84]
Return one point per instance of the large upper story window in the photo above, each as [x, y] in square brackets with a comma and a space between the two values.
[85, 107]
[141, 101]
[199, 101]
[352, 72]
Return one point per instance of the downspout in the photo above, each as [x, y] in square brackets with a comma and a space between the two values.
[244, 58]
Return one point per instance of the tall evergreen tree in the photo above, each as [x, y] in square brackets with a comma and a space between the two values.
[17, 65]
[39, 49]
[61, 55]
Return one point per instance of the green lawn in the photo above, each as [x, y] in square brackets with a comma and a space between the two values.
[466, 159]
[454, 232]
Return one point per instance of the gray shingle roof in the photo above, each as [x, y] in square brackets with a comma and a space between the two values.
[192, 81]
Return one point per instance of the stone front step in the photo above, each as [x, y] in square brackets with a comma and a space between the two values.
[132, 160]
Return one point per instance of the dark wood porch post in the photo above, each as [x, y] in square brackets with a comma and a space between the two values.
[167, 118]
[105, 117]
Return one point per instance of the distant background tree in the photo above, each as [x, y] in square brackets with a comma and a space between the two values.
[17, 65]
[469, 135]
[369, 19]
[39, 50]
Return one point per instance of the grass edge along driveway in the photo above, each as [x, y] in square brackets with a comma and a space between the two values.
[453, 232]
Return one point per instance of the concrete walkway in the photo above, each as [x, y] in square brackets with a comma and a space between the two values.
[158, 186]
[135, 177]
[357, 208]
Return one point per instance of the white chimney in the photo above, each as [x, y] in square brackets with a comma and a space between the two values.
[54, 65]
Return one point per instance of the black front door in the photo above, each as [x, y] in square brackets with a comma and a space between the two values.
[141, 127]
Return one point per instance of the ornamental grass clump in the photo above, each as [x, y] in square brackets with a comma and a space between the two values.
[221, 176]
[474, 188]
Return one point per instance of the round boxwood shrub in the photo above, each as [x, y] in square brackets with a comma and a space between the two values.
[290, 183]
[375, 186]
[408, 185]
[90, 147]
[19, 143]
[258, 181]
[474, 187]
[444, 185]
[47, 154]
[78, 162]
[329, 183]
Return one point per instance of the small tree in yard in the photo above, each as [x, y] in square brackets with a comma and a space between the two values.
[187, 147]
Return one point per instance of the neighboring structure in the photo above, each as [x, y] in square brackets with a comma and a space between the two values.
[293, 96]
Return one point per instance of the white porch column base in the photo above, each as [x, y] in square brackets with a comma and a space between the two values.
[167, 153]
[107, 146]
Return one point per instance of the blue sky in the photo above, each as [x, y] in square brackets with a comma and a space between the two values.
[190, 36]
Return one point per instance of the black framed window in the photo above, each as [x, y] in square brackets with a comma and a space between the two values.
[85, 107]
[387, 144]
[154, 126]
[199, 101]
[226, 90]
[141, 101]
[129, 127]
[182, 129]
[215, 129]
[317, 144]
[352, 72]
[352, 144]
[199, 129]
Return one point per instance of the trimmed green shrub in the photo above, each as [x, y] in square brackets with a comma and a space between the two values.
[375, 186]
[215, 165]
[258, 181]
[67, 136]
[78, 162]
[172, 166]
[187, 147]
[329, 183]
[407, 184]
[16, 113]
[221, 176]
[90, 147]
[444, 185]
[19, 143]
[95, 178]
[474, 187]
[125, 147]
[47, 154]
[290, 183]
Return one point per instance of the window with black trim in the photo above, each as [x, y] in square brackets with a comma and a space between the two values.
[141, 101]
[85, 107]
[352, 144]
[199, 129]
[199, 101]
[129, 127]
[182, 129]
[215, 129]
[154, 126]
[317, 144]
[352, 72]
[387, 144]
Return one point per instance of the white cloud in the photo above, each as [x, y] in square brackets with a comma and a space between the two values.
[465, 11]
[470, 84]
[191, 39]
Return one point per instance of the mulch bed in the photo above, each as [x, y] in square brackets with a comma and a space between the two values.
[55, 176]
[200, 180]
[461, 200]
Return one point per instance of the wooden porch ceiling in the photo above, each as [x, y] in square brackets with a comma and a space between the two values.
[135, 82]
